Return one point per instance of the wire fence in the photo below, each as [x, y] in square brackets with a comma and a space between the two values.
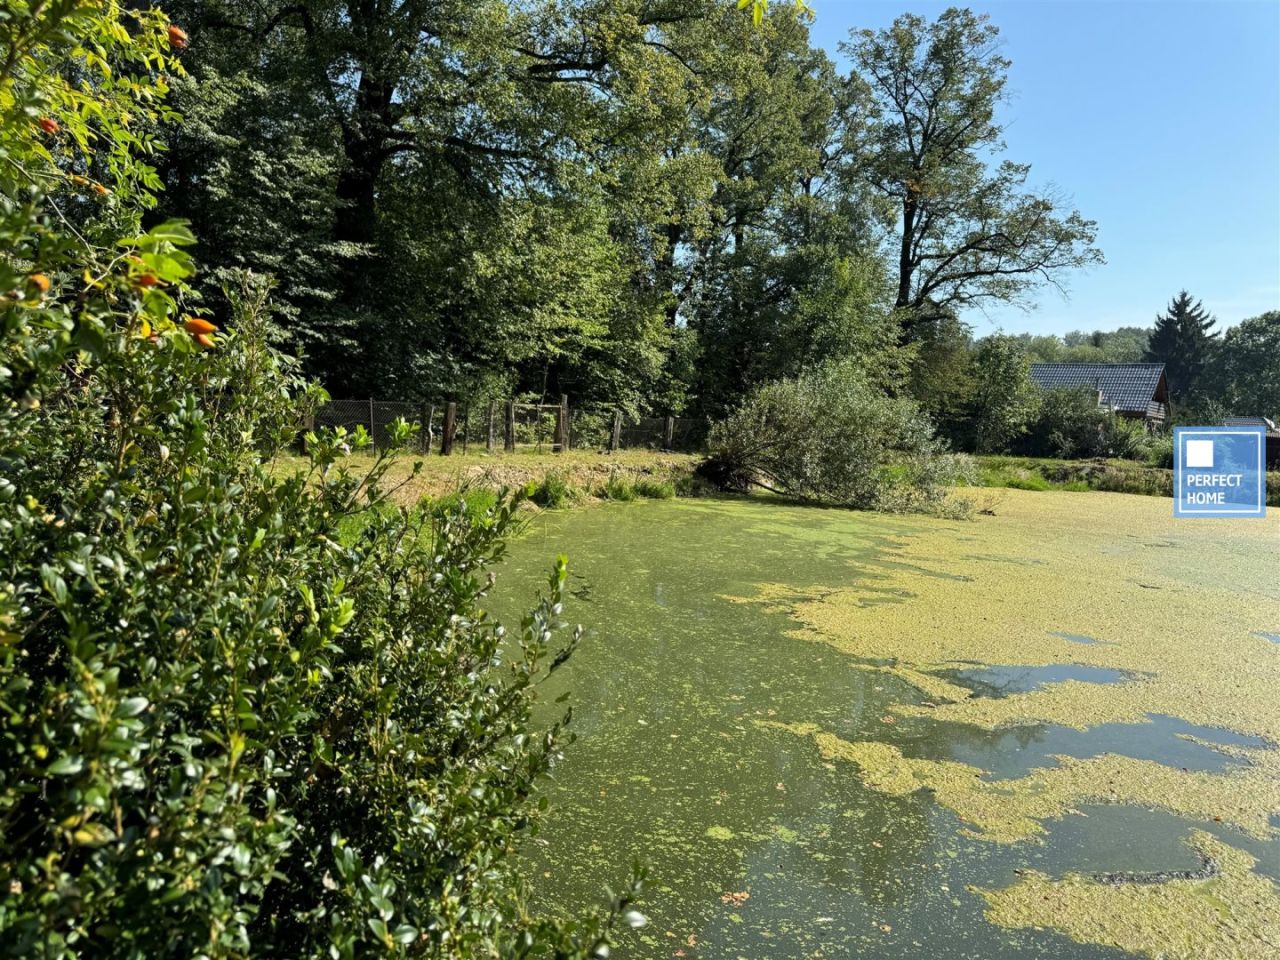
[496, 425]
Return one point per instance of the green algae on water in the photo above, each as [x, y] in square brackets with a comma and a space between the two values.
[1232, 913]
[1006, 811]
[672, 684]
[1186, 628]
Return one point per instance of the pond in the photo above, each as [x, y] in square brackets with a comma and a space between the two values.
[1044, 733]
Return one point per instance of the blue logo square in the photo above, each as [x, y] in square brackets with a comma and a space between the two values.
[1219, 472]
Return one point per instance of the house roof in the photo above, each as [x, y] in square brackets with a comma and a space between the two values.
[1249, 422]
[1267, 424]
[1127, 387]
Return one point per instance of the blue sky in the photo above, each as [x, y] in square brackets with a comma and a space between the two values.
[1161, 121]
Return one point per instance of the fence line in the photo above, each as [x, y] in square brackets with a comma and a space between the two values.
[494, 425]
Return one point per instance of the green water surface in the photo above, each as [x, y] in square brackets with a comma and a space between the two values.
[668, 767]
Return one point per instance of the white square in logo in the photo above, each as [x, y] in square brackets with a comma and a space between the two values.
[1199, 453]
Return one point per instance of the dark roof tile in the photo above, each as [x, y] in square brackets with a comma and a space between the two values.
[1125, 386]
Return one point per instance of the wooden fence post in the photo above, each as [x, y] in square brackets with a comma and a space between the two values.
[669, 434]
[561, 441]
[509, 440]
[615, 441]
[493, 412]
[373, 436]
[450, 427]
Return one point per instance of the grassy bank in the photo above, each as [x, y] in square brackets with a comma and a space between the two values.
[552, 479]
[1114, 476]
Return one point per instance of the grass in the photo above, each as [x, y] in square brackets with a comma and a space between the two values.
[655, 489]
[618, 488]
[586, 474]
[1113, 476]
[552, 492]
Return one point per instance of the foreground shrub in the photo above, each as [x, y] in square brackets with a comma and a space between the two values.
[244, 714]
[831, 437]
[249, 714]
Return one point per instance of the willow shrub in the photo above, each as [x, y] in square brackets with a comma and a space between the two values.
[829, 436]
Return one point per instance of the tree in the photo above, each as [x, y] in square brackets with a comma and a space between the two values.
[924, 138]
[1244, 373]
[381, 156]
[941, 373]
[829, 436]
[1183, 340]
[1004, 397]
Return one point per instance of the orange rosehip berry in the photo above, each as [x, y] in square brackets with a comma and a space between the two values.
[49, 125]
[100, 190]
[40, 282]
[204, 340]
[177, 37]
[196, 326]
[147, 280]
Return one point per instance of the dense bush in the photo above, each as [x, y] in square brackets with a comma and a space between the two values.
[246, 712]
[237, 722]
[830, 436]
[1070, 424]
[1004, 397]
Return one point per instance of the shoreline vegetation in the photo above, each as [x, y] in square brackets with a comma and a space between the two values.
[554, 480]
[1105, 475]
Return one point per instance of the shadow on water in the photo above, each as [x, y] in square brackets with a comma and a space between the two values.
[671, 768]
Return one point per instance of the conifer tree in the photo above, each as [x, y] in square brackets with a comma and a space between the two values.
[1183, 340]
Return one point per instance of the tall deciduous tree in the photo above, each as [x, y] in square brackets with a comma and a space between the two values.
[1245, 371]
[387, 153]
[1004, 395]
[966, 229]
[1183, 340]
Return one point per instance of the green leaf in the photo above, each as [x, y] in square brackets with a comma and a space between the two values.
[66, 766]
[132, 706]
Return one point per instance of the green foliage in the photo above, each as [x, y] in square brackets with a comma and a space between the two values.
[552, 492]
[655, 489]
[1004, 396]
[1160, 451]
[304, 731]
[941, 377]
[1070, 424]
[829, 436]
[1112, 476]
[247, 712]
[618, 488]
[1122, 345]
[1184, 341]
[475, 502]
[925, 141]
[1244, 372]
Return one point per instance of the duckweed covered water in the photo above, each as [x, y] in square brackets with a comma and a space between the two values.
[995, 715]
